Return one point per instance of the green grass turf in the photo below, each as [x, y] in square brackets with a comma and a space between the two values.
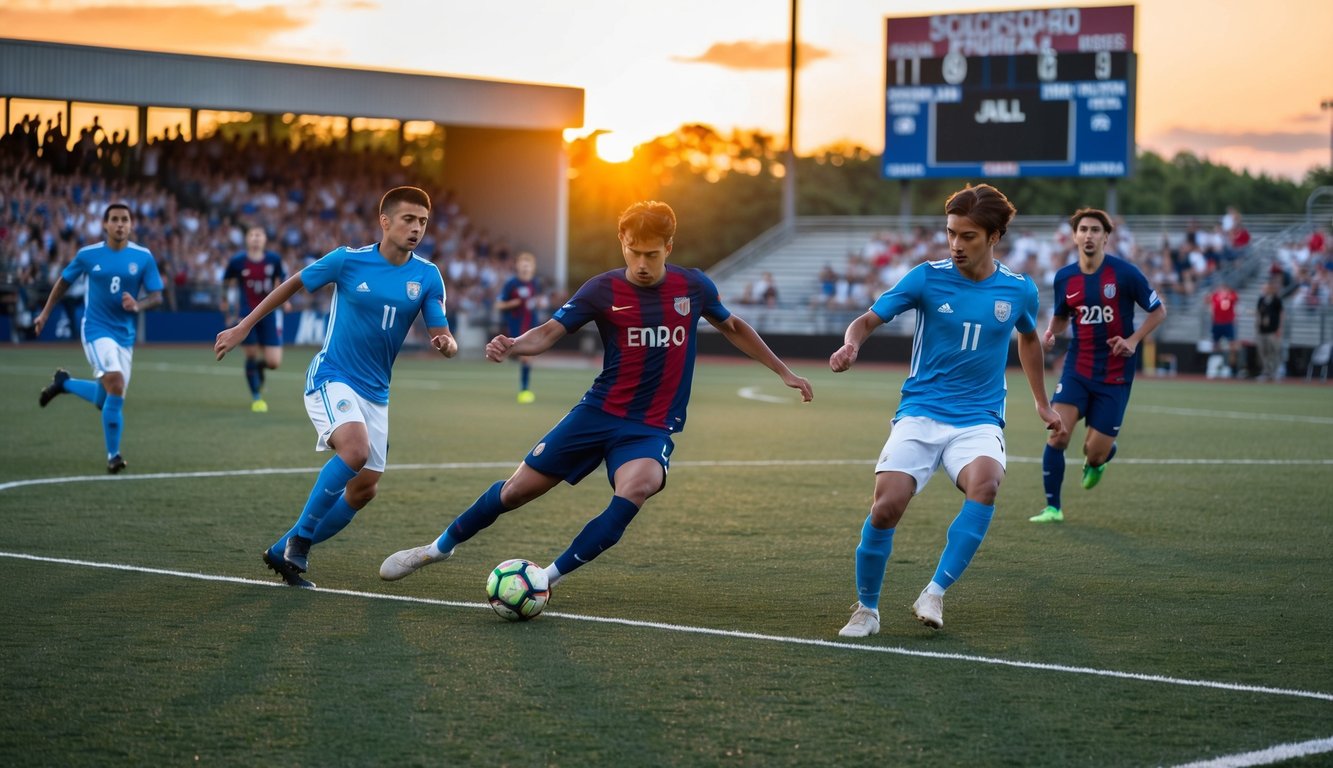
[1202, 556]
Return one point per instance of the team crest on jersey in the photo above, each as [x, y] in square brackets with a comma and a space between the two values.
[413, 290]
[1108, 290]
[1002, 310]
[134, 268]
[683, 305]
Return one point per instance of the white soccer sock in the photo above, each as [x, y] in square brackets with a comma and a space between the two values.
[553, 575]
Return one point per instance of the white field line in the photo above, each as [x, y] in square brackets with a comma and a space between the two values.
[734, 634]
[1277, 754]
[709, 464]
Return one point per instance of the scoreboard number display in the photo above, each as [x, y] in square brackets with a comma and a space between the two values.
[1010, 93]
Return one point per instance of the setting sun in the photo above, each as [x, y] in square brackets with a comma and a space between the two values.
[615, 147]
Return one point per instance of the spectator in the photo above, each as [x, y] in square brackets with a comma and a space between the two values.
[1268, 318]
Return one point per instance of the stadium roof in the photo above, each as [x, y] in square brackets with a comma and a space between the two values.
[39, 70]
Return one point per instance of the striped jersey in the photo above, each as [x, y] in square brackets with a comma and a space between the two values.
[960, 346]
[648, 341]
[1101, 306]
[524, 316]
[111, 274]
[374, 305]
[257, 278]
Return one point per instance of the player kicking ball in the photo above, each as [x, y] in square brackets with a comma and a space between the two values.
[648, 315]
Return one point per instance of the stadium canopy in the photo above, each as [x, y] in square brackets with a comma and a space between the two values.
[504, 146]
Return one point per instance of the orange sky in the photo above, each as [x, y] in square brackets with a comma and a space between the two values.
[1239, 82]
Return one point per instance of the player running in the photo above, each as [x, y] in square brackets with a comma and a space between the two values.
[648, 316]
[118, 270]
[1098, 294]
[518, 308]
[951, 412]
[254, 273]
[378, 292]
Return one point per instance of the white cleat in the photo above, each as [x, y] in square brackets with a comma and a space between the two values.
[864, 622]
[929, 610]
[409, 561]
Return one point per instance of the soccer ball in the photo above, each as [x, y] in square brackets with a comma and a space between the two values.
[517, 589]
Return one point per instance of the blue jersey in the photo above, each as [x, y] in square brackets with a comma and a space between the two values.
[112, 273]
[374, 305]
[648, 341]
[257, 278]
[1101, 306]
[961, 344]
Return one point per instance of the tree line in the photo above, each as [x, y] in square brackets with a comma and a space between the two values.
[727, 189]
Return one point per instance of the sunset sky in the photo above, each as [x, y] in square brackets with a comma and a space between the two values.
[1239, 82]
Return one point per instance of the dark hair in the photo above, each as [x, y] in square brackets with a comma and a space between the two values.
[398, 195]
[648, 219]
[106, 215]
[984, 205]
[1099, 215]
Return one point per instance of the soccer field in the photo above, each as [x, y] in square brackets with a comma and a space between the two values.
[1182, 613]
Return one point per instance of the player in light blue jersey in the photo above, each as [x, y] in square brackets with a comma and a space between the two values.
[378, 292]
[118, 271]
[951, 413]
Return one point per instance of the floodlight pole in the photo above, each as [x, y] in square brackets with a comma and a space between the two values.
[789, 157]
[1327, 105]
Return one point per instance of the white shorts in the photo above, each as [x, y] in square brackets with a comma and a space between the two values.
[918, 446]
[106, 356]
[335, 404]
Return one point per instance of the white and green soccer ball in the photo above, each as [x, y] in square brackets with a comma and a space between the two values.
[517, 589]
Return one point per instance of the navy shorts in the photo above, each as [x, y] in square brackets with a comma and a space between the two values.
[587, 436]
[1224, 331]
[267, 332]
[1102, 406]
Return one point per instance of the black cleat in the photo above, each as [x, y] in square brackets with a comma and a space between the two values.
[115, 464]
[56, 387]
[297, 552]
[286, 570]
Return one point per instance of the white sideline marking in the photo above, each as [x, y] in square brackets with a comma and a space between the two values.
[845, 646]
[1268, 756]
[703, 464]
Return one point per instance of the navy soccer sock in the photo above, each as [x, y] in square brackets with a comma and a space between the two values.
[524, 376]
[872, 556]
[252, 377]
[484, 511]
[965, 535]
[1053, 474]
[112, 423]
[600, 534]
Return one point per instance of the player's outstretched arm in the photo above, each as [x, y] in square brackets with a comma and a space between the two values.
[1031, 357]
[230, 338]
[743, 337]
[534, 342]
[57, 293]
[1054, 330]
[856, 334]
[1125, 347]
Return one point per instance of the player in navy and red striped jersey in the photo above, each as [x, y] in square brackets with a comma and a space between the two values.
[648, 316]
[1098, 294]
[255, 272]
[518, 306]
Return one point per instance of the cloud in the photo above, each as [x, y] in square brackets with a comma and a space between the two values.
[1276, 142]
[747, 54]
[210, 28]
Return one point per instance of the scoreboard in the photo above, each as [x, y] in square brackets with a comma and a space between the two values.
[1010, 93]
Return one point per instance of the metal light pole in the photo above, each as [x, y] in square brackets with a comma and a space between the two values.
[789, 157]
[1327, 105]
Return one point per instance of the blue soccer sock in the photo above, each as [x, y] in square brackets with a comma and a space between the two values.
[484, 511]
[112, 423]
[872, 555]
[86, 389]
[524, 376]
[1053, 474]
[336, 519]
[253, 377]
[965, 535]
[328, 488]
[600, 534]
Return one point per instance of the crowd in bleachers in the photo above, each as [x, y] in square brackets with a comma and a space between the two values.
[193, 200]
[1305, 270]
[1180, 265]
